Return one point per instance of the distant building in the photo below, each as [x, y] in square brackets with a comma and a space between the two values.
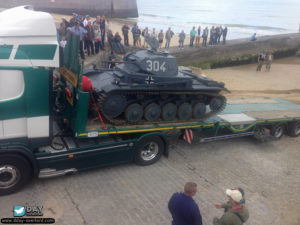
[109, 8]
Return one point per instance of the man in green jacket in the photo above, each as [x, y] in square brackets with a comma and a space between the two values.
[235, 211]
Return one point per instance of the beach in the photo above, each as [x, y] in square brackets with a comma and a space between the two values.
[282, 81]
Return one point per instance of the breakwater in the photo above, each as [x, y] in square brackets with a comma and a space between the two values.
[238, 52]
[109, 8]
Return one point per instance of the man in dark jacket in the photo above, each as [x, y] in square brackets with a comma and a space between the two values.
[133, 30]
[204, 36]
[224, 33]
[119, 45]
[90, 38]
[183, 208]
[125, 30]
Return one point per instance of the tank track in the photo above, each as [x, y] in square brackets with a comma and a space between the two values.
[117, 121]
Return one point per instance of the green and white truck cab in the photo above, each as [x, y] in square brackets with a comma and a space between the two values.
[29, 56]
[28, 52]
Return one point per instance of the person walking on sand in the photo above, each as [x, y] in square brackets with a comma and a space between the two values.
[260, 59]
[183, 208]
[197, 45]
[204, 36]
[169, 35]
[269, 60]
[181, 39]
[224, 33]
[192, 37]
[235, 210]
[125, 30]
[160, 38]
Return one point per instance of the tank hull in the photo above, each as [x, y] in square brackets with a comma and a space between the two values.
[109, 8]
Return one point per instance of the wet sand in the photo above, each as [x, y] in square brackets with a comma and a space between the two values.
[283, 80]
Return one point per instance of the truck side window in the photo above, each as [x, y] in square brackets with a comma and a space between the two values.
[11, 84]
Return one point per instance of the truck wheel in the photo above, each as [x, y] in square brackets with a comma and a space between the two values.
[277, 131]
[149, 150]
[294, 129]
[15, 172]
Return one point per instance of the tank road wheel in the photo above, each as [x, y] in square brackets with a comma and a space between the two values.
[149, 150]
[152, 112]
[114, 105]
[169, 112]
[217, 104]
[199, 110]
[294, 129]
[277, 131]
[134, 113]
[15, 172]
[184, 111]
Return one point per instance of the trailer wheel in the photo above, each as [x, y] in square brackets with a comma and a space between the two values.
[149, 150]
[294, 129]
[15, 172]
[277, 131]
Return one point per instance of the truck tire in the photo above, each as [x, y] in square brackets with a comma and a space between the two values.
[15, 172]
[293, 129]
[277, 131]
[149, 150]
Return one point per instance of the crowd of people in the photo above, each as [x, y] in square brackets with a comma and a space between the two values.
[92, 34]
[213, 36]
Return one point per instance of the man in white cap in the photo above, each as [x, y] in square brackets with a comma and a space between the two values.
[235, 211]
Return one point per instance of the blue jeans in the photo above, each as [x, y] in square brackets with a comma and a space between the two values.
[167, 43]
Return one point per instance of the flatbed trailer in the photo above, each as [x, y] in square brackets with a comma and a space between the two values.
[143, 144]
[242, 116]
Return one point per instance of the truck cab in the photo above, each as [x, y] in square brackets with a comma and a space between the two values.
[28, 53]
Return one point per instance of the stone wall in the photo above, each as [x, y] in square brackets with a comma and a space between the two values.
[237, 48]
[109, 8]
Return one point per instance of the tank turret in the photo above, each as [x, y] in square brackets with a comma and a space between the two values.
[148, 86]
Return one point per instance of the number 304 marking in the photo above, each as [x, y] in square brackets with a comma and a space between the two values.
[155, 66]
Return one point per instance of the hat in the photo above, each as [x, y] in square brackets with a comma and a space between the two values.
[86, 16]
[74, 14]
[236, 195]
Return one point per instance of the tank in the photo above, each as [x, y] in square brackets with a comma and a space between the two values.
[148, 86]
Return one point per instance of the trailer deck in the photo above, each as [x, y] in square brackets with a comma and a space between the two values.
[240, 115]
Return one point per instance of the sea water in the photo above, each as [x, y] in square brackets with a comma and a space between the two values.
[242, 17]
